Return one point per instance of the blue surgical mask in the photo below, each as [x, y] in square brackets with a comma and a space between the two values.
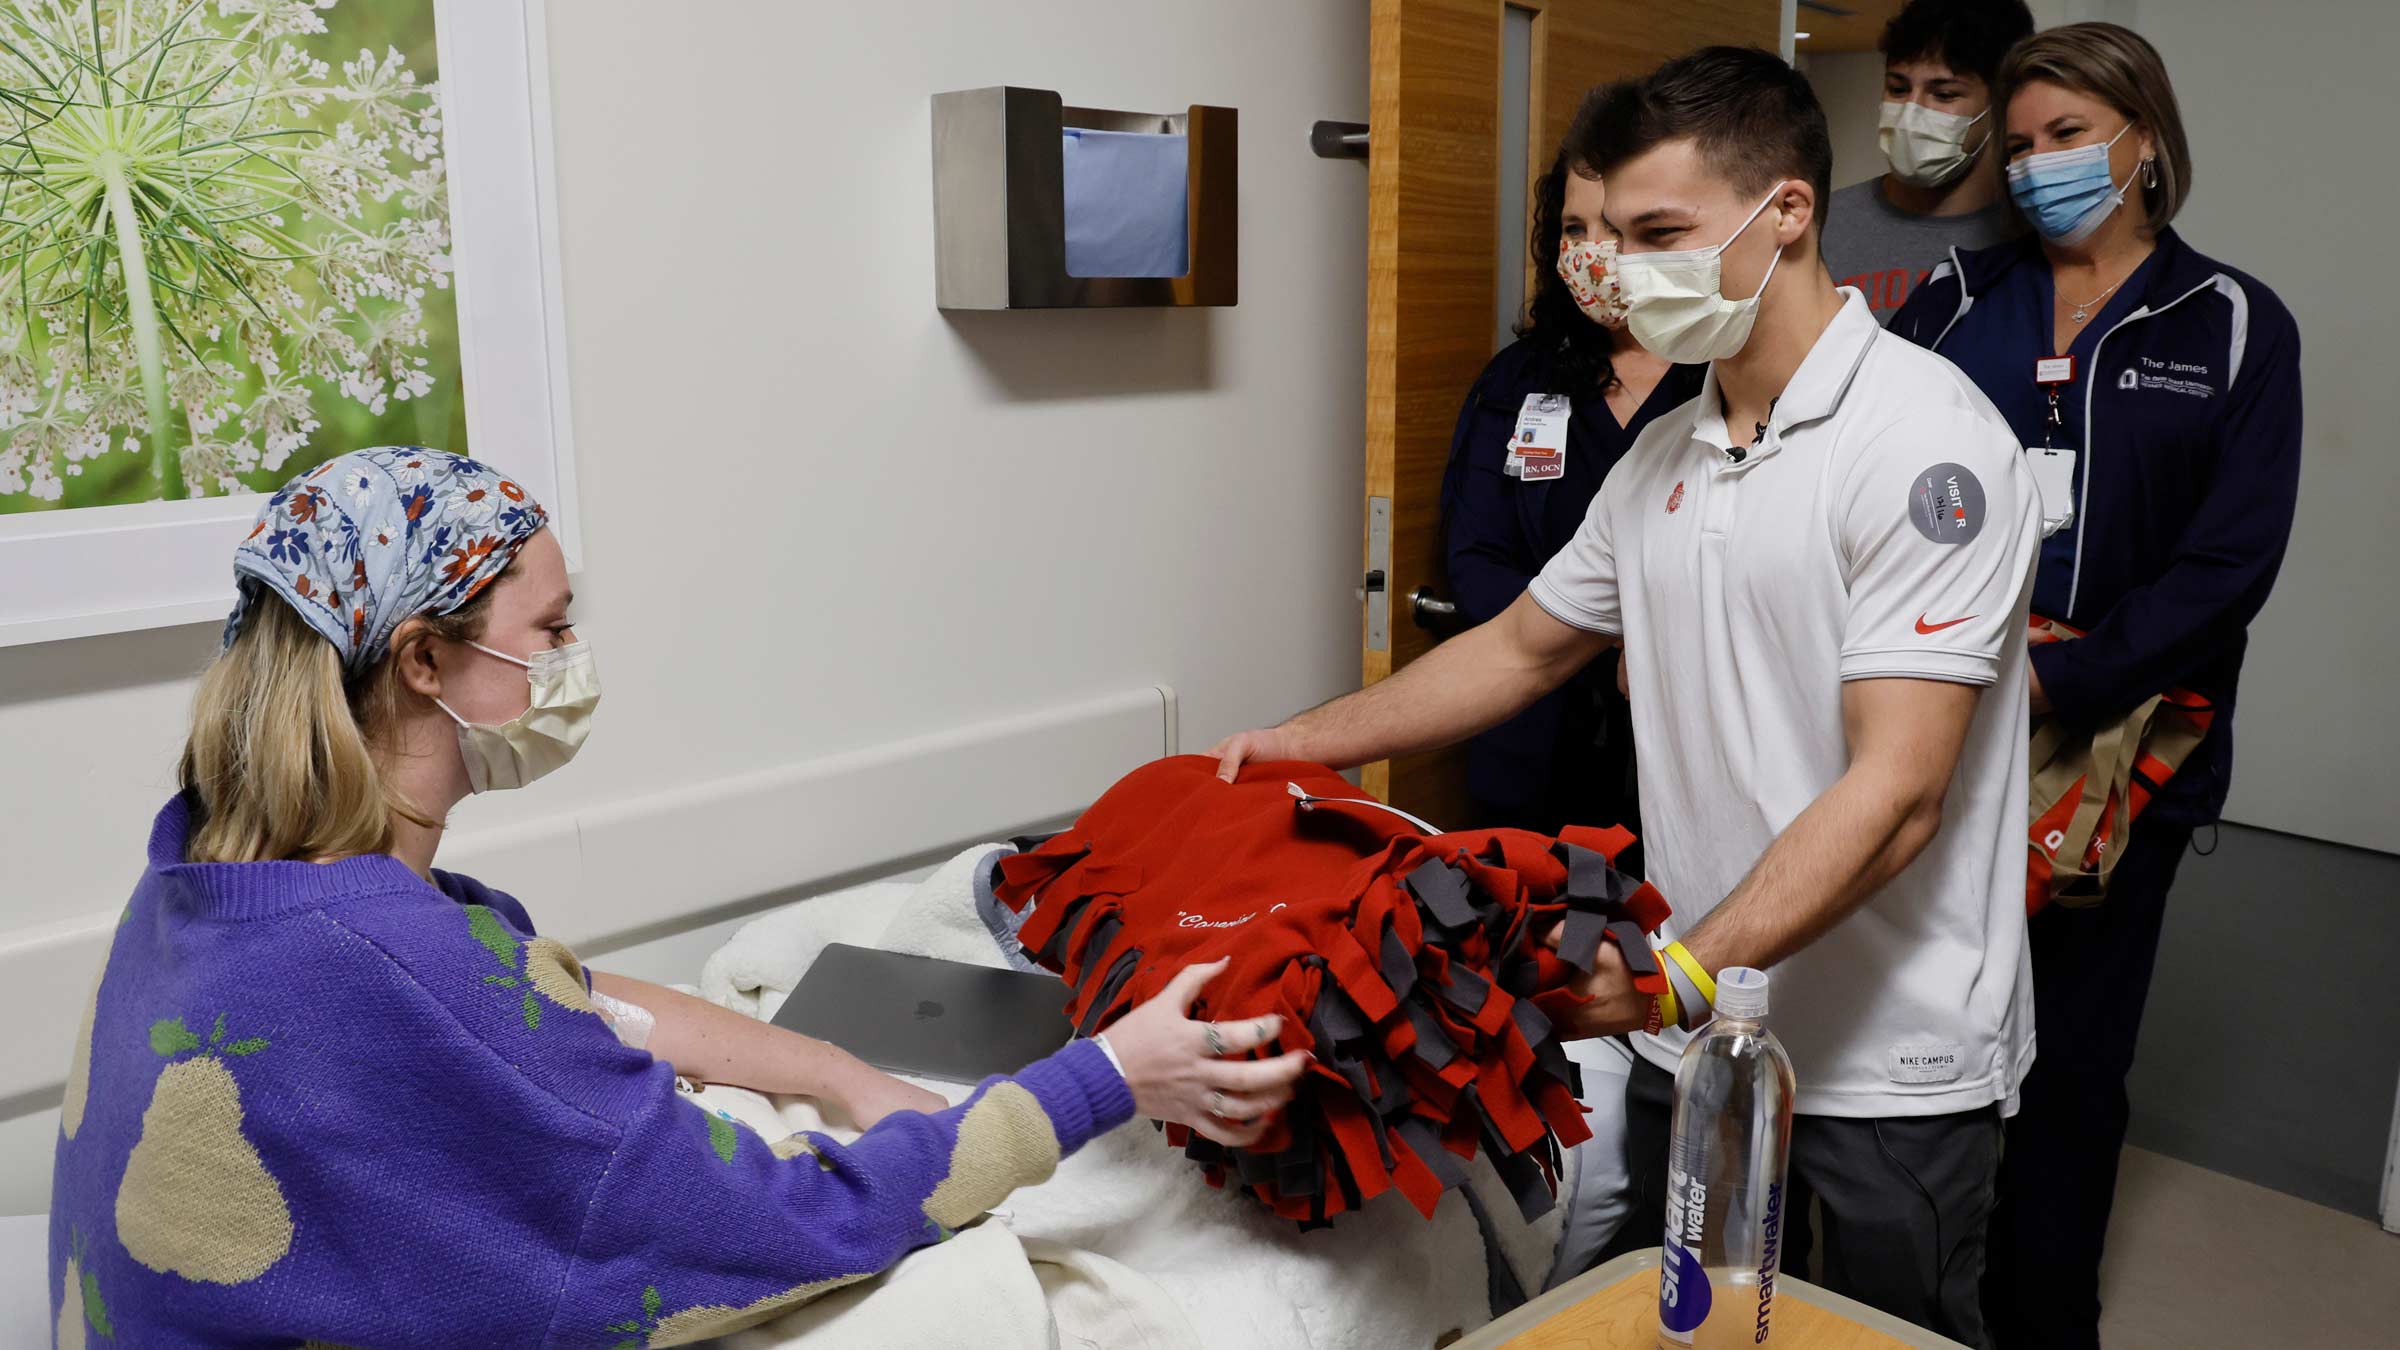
[2067, 193]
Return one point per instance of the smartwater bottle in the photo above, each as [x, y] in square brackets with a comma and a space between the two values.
[1732, 1132]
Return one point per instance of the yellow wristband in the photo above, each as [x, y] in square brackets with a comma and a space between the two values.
[1700, 979]
[1670, 1013]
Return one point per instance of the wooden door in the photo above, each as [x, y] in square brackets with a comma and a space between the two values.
[1433, 210]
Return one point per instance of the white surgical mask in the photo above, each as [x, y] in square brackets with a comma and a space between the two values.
[1926, 148]
[1589, 267]
[566, 687]
[1675, 304]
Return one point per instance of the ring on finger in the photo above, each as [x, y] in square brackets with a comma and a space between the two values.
[1216, 1104]
[1216, 1039]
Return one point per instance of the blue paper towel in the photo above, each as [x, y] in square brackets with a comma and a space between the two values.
[1125, 194]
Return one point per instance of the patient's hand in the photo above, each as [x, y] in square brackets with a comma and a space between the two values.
[872, 1094]
[1175, 1067]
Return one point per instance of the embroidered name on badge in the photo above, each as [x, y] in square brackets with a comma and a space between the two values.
[1946, 504]
[1927, 1062]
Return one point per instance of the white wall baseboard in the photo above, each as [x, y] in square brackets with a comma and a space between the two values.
[667, 860]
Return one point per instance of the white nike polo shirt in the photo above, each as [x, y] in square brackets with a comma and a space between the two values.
[1884, 526]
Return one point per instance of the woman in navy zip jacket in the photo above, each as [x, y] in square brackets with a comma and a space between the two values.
[1568, 758]
[2182, 413]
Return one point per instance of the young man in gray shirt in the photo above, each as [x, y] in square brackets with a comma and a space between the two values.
[1941, 137]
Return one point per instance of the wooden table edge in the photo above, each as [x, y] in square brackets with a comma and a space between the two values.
[1533, 1313]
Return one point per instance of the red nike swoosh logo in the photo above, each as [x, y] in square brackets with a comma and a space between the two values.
[1924, 627]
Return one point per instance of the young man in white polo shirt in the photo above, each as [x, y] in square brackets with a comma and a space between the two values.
[1818, 568]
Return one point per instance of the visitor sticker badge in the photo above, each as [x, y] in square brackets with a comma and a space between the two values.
[1945, 503]
[1538, 450]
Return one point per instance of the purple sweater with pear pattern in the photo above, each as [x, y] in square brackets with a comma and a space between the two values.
[335, 1103]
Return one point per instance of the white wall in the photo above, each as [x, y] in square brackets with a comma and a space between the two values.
[819, 516]
[1850, 85]
[2291, 129]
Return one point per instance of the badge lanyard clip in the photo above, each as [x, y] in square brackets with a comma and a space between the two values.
[2053, 373]
[2054, 468]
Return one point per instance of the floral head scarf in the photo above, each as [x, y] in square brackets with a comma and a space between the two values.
[367, 540]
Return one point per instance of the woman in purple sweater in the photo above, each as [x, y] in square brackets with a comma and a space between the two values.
[326, 1092]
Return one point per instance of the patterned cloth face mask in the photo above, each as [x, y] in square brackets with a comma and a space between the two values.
[1589, 267]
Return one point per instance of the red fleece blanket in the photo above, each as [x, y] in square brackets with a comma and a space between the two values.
[1411, 965]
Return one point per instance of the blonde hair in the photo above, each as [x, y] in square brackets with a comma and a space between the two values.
[285, 755]
[2120, 68]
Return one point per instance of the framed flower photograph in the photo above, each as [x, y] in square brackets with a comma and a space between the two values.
[238, 238]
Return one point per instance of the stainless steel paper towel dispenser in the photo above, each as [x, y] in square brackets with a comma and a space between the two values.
[1000, 214]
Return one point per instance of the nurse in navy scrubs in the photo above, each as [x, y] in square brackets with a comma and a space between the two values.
[1580, 384]
[2169, 459]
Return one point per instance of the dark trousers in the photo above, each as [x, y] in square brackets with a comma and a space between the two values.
[2091, 975]
[1904, 1201]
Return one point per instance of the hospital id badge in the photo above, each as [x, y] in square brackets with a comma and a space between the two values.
[2054, 477]
[1538, 450]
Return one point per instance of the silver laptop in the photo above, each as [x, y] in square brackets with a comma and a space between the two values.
[933, 1018]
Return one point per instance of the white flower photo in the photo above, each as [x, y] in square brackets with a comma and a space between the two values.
[224, 244]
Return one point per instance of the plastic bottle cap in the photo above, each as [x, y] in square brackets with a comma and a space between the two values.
[1742, 992]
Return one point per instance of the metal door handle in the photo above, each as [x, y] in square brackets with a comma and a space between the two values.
[1338, 140]
[1432, 612]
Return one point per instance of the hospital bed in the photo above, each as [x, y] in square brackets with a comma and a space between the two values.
[1127, 1244]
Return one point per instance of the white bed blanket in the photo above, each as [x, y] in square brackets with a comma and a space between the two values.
[985, 1287]
[1128, 1211]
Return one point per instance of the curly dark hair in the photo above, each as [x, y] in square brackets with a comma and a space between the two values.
[1577, 347]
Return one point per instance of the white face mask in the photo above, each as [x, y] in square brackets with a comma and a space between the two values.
[1927, 148]
[547, 734]
[1675, 303]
